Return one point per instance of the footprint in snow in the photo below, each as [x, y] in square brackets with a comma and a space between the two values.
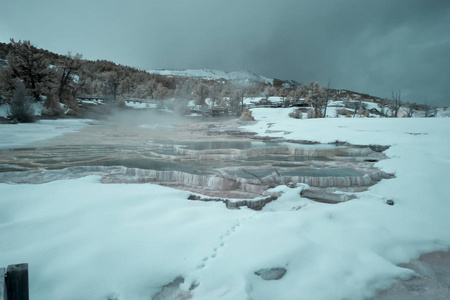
[222, 244]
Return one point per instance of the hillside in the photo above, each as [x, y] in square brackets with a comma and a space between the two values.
[205, 74]
[59, 81]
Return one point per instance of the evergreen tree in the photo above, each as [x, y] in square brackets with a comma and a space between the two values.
[316, 97]
[21, 108]
[31, 66]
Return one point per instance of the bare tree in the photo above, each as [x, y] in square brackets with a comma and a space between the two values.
[161, 92]
[315, 98]
[408, 108]
[395, 103]
[145, 89]
[237, 100]
[127, 85]
[383, 104]
[69, 80]
[201, 93]
[363, 111]
[270, 91]
[299, 92]
[67, 71]
[215, 93]
[327, 98]
[112, 82]
[429, 110]
[356, 105]
[284, 93]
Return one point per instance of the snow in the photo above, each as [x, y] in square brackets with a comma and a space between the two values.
[22, 134]
[4, 110]
[37, 107]
[214, 75]
[335, 106]
[140, 105]
[251, 100]
[93, 102]
[87, 240]
[443, 112]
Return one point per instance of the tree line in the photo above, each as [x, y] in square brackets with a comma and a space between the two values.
[57, 80]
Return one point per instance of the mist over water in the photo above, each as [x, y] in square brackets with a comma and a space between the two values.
[193, 153]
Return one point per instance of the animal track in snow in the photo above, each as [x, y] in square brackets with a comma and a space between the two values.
[222, 237]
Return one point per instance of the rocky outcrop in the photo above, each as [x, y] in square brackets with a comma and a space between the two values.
[172, 291]
[379, 148]
[255, 204]
[271, 274]
[324, 196]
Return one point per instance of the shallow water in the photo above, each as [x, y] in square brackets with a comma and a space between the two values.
[167, 157]
[182, 147]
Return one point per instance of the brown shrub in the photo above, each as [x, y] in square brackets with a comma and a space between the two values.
[246, 115]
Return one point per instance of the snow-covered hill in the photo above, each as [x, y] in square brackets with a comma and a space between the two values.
[236, 76]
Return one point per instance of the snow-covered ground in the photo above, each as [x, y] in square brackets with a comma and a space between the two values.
[87, 240]
[241, 76]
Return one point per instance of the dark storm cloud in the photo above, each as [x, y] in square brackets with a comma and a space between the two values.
[368, 46]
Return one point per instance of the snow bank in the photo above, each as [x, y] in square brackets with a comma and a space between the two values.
[85, 240]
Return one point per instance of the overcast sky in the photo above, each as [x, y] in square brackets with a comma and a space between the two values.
[368, 46]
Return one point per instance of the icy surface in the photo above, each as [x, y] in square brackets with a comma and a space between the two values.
[87, 240]
[27, 133]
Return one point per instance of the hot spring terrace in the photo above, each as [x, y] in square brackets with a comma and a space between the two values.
[226, 168]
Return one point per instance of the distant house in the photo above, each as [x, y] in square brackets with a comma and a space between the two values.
[3, 63]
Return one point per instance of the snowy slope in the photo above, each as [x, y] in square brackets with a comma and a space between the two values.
[241, 76]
